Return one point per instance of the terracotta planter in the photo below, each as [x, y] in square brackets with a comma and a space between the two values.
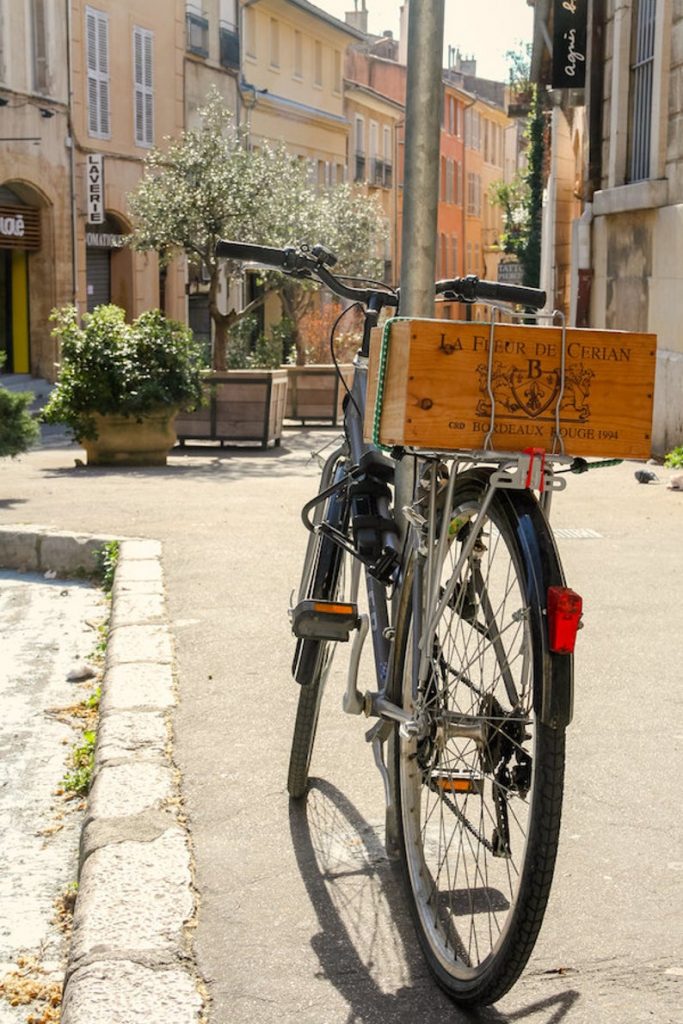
[242, 405]
[315, 392]
[132, 441]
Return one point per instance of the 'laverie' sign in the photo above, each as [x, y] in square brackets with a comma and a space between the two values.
[569, 44]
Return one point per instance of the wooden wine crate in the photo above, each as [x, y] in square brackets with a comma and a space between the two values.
[436, 394]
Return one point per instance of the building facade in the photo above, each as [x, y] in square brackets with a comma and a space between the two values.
[37, 265]
[613, 227]
[86, 90]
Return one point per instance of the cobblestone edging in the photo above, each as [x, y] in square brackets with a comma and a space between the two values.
[130, 959]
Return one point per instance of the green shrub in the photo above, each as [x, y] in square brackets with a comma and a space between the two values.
[18, 429]
[109, 366]
[674, 460]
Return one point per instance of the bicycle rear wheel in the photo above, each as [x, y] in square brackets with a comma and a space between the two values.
[313, 658]
[479, 789]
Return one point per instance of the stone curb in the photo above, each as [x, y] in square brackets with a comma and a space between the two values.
[130, 958]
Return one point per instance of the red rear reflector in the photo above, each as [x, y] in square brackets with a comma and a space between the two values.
[564, 617]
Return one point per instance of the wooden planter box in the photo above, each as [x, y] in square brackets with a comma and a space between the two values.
[436, 392]
[315, 393]
[242, 405]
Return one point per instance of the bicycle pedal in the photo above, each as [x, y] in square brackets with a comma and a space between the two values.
[458, 782]
[324, 620]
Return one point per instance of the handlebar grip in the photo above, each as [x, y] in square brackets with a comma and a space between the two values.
[257, 253]
[511, 293]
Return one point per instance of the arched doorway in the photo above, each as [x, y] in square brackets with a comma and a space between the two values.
[109, 264]
[20, 235]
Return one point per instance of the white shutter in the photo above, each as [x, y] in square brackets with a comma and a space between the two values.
[97, 59]
[143, 82]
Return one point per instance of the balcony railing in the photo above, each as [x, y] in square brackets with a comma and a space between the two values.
[229, 46]
[197, 28]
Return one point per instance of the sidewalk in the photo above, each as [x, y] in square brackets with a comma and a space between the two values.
[299, 915]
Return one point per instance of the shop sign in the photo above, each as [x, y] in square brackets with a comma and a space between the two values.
[95, 187]
[569, 44]
[19, 228]
[511, 272]
[104, 240]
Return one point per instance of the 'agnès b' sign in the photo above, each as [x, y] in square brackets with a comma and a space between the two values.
[569, 44]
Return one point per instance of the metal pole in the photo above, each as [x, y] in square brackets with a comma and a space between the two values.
[424, 103]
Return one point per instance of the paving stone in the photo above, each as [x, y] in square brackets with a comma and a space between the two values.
[138, 685]
[133, 608]
[19, 550]
[71, 554]
[123, 789]
[140, 644]
[125, 735]
[119, 992]
[136, 549]
[139, 828]
[134, 897]
[147, 570]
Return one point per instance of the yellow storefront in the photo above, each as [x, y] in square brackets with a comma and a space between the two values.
[19, 235]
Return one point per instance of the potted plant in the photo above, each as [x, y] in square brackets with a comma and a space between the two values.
[120, 385]
[245, 402]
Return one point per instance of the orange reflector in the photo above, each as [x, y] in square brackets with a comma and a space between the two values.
[564, 617]
[329, 608]
[452, 785]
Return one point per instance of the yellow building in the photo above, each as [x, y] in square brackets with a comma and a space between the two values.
[36, 255]
[373, 159]
[127, 86]
[293, 88]
[86, 89]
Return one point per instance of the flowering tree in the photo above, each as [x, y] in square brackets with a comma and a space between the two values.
[210, 185]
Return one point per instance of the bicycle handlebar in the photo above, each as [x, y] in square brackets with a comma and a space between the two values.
[315, 263]
[471, 288]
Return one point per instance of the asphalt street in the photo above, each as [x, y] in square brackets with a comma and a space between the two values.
[300, 913]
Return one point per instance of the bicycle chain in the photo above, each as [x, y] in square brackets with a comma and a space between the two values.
[465, 821]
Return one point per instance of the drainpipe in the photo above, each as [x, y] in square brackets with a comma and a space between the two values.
[71, 142]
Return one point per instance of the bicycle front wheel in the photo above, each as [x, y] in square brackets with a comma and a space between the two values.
[479, 787]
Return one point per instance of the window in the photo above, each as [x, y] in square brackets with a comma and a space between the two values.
[274, 43]
[3, 55]
[298, 54]
[359, 174]
[451, 115]
[388, 157]
[318, 73]
[228, 34]
[450, 182]
[39, 46]
[143, 86]
[197, 29]
[376, 171]
[250, 32]
[337, 71]
[454, 250]
[458, 183]
[473, 195]
[641, 89]
[97, 50]
[458, 119]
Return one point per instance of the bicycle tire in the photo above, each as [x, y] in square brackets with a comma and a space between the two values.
[478, 897]
[313, 658]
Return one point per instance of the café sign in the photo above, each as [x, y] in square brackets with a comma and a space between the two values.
[569, 44]
[19, 228]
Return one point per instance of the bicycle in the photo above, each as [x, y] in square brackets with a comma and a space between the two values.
[472, 630]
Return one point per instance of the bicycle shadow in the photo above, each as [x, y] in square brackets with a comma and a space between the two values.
[366, 946]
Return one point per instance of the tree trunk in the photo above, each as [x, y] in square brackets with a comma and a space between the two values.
[295, 302]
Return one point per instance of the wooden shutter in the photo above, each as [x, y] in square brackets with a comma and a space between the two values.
[39, 31]
[97, 51]
[144, 86]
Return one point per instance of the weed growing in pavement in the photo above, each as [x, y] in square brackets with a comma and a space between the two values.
[107, 560]
[674, 460]
[77, 781]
